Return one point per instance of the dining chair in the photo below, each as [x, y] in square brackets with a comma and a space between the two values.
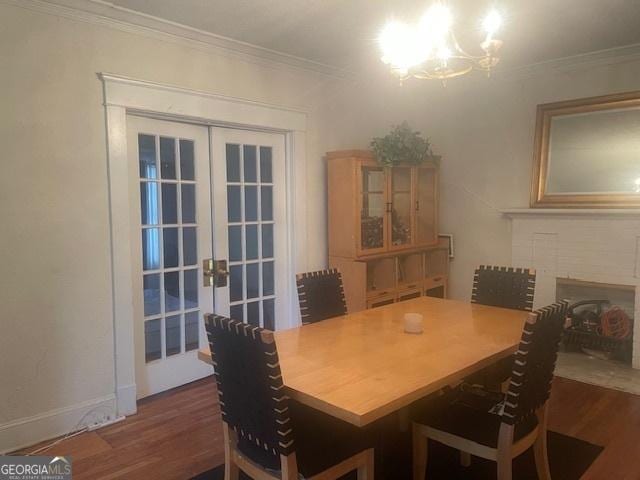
[321, 295]
[267, 435]
[505, 287]
[501, 431]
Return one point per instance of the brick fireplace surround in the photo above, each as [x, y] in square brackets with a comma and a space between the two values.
[593, 245]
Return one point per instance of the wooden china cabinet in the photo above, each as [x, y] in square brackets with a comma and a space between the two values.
[383, 229]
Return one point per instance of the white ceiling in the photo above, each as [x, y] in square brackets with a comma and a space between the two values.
[339, 32]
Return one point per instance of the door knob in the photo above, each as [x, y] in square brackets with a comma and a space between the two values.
[214, 273]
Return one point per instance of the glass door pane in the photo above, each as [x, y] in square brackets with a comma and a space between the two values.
[169, 243]
[250, 231]
[426, 213]
[401, 233]
[171, 235]
[373, 208]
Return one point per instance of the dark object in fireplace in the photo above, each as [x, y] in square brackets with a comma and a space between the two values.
[584, 329]
[586, 315]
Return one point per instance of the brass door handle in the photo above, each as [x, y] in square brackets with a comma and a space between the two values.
[214, 273]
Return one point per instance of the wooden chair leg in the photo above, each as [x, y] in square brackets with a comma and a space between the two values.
[465, 459]
[504, 457]
[231, 470]
[540, 446]
[504, 466]
[420, 453]
[540, 454]
[366, 470]
[289, 467]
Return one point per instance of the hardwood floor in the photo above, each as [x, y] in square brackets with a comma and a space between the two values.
[178, 434]
[174, 435]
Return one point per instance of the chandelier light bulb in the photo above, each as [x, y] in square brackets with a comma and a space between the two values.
[401, 47]
[437, 21]
[492, 22]
[393, 38]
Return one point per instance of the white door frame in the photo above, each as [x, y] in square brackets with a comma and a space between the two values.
[124, 95]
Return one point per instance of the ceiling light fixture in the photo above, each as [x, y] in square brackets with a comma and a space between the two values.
[429, 49]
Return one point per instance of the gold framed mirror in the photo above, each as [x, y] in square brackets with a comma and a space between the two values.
[587, 153]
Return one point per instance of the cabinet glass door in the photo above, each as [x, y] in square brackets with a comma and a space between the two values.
[373, 203]
[426, 207]
[401, 228]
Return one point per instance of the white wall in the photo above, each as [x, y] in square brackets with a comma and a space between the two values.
[56, 347]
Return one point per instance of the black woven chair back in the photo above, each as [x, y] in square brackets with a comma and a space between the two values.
[321, 295]
[505, 287]
[250, 386]
[534, 363]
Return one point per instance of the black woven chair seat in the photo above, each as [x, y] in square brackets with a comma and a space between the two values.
[468, 416]
[322, 441]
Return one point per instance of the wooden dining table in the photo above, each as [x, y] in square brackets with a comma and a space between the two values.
[362, 366]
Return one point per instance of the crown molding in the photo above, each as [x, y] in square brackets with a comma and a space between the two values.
[598, 58]
[106, 14]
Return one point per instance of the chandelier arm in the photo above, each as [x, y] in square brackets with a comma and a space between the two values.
[430, 75]
[464, 52]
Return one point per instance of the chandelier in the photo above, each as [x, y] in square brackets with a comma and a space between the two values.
[429, 49]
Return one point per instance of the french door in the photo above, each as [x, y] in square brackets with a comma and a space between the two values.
[200, 194]
[249, 198]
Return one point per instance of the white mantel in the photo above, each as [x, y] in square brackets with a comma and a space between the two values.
[571, 212]
[597, 245]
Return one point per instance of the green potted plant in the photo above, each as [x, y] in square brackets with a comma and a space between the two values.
[402, 145]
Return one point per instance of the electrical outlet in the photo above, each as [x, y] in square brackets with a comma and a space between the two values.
[106, 421]
[95, 419]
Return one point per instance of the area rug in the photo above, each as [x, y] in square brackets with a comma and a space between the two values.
[569, 458]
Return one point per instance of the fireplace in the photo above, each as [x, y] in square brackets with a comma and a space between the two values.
[585, 254]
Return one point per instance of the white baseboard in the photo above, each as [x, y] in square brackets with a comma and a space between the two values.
[127, 400]
[27, 431]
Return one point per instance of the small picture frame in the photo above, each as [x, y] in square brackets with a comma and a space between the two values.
[446, 239]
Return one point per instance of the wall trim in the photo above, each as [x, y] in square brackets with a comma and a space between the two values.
[126, 399]
[597, 58]
[106, 14]
[27, 431]
[123, 96]
[122, 90]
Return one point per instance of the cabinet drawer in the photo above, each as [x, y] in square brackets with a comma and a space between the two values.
[375, 294]
[409, 293]
[436, 286]
[380, 301]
